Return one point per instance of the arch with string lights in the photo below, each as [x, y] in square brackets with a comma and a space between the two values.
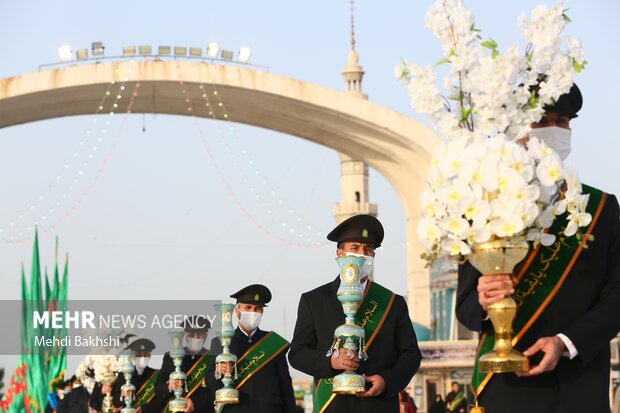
[396, 146]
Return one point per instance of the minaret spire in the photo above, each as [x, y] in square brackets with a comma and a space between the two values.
[354, 197]
[353, 72]
[352, 25]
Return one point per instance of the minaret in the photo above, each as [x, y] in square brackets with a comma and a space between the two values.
[354, 198]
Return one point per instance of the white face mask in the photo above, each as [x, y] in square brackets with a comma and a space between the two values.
[367, 268]
[141, 362]
[250, 320]
[195, 344]
[556, 138]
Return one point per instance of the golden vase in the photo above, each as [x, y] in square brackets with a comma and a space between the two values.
[107, 405]
[500, 257]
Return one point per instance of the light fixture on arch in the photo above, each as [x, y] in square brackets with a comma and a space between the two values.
[65, 53]
[244, 54]
[213, 49]
[97, 49]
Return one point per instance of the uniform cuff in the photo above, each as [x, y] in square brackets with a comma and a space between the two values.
[572, 350]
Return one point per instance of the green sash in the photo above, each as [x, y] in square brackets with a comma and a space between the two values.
[257, 357]
[196, 375]
[147, 391]
[458, 399]
[371, 314]
[541, 275]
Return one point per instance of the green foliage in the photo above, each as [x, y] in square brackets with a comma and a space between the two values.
[532, 102]
[489, 44]
[405, 66]
[442, 61]
[465, 113]
[585, 238]
[565, 16]
[578, 67]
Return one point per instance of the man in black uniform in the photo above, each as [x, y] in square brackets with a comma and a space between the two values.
[195, 364]
[143, 377]
[456, 402]
[392, 347]
[568, 341]
[77, 398]
[266, 386]
[63, 390]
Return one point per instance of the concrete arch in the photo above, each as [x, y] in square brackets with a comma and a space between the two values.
[395, 145]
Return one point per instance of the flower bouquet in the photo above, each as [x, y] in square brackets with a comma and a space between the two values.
[85, 372]
[106, 366]
[492, 186]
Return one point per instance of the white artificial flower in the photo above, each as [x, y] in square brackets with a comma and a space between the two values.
[537, 235]
[508, 226]
[431, 207]
[477, 211]
[576, 220]
[537, 148]
[455, 225]
[456, 247]
[549, 171]
[451, 194]
[546, 216]
[509, 180]
[528, 213]
[429, 232]
[482, 185]
[577, 203]
[479, 235]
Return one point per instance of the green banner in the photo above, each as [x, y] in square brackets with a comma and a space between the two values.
[196, 375]
[37, 374]
[370, 315]
[540, 277]
[147, 391]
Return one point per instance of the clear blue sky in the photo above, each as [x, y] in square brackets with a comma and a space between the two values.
[158, 224]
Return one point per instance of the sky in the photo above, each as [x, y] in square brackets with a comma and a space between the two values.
[157, 224]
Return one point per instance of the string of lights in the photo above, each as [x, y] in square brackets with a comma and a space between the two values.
[260, 228]
[23, 235]
[218, 105]
[288, 219]
[296, 224]
[105, 163]
[67, 167]
[292, 221]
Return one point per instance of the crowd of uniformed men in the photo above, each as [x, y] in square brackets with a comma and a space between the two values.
[264, 383]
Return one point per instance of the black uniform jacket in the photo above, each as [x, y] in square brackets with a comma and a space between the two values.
[96, 397]
[586, 309]
[202, 398]
[137, 380]
[76, 401]
[270, 390]
[394, 353]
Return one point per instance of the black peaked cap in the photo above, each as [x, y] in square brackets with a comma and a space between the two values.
[360, 228]
[256, 294]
